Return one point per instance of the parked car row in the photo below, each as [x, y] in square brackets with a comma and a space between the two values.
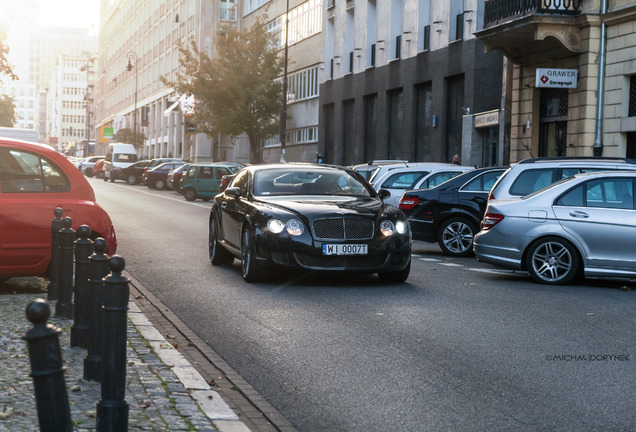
[557, 218]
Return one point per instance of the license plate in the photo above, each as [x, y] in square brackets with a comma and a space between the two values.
[344, 249]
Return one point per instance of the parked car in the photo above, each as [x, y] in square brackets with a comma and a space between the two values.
[34, 180]
[331, 220]
[530, 175]
[156, 177]
[203, 180]
[133, 173]
[423, 176]
[584, 224]
[367, 169]
[118, 157]
[98, 169]
[449, 214]
[87, 164]
[158, 161]
[174, 177]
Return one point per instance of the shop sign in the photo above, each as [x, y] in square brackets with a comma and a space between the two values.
[557, 78]
[489, 118]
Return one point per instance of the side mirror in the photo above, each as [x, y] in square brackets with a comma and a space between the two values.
[384, 194]
[233, 192]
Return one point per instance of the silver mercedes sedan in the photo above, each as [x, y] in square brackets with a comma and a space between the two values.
[582, 225]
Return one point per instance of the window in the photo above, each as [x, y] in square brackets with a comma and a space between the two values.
[403, 180]
[241, 181]
[22, 172]
[632, 96]
[303, 85]
[532, 180]
[439, 178]
[610, 193]
[482, 183]
[205, 172]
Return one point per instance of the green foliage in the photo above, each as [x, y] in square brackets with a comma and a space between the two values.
[7, 111]
[5, 67]
[127, 135]
[235, 90]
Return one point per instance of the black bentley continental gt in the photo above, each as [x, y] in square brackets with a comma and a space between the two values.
[311, 217]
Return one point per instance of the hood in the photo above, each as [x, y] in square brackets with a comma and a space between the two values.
[313, 207]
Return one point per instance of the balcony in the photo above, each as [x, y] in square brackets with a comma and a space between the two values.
[523, 29]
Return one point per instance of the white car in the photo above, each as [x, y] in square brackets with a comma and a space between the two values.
[419, 176]
[86, 166]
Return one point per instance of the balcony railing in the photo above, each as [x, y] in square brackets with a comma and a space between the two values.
[500, 10]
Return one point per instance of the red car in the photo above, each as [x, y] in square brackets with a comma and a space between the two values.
[34, 180]
[98, 169]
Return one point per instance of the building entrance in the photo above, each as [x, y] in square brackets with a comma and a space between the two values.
[553, 122]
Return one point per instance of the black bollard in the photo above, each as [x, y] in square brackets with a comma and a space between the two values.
[51, 397]
[54, 264]
[112, 409]
[64, 305]
[98, 270]
[83, 250]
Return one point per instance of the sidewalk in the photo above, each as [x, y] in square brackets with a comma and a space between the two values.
[164, 391]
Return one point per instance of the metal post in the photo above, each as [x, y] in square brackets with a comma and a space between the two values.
[51, 397]
[64, 306]
[98, 270]
[112, 409]
[83, 249]
[54, 264]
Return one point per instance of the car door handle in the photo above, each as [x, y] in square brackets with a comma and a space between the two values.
[579, 214]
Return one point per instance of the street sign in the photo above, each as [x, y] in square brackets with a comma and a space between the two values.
[556, 78]
[191, 127]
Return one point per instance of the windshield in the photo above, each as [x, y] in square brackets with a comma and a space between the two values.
[309, 181]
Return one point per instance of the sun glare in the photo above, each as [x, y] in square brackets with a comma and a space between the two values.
[70, 13]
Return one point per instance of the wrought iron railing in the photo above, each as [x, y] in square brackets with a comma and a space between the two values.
[500, 10]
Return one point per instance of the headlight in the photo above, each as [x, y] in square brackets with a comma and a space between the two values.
[386, 228]
[295, 227]
[275, 226]
[400, 227]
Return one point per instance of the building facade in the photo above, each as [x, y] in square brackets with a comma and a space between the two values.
[25, 101]
[407, 79]
[138, 44]
[572, 85]
[303, 39]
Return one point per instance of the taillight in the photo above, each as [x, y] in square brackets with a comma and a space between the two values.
[490, 220]
[407, 203]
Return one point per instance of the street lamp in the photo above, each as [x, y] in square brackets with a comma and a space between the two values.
[133, 56]
[283, 113]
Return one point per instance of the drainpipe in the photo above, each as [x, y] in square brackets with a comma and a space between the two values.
[598, 145]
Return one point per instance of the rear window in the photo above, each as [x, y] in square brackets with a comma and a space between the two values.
[125, 157]
[532, 180]
[405, 180]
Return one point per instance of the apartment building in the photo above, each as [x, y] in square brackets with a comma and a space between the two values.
[572, 75]
[407, 79]
[25, 98]
[66, 105]
[303, 39]
[139, 43]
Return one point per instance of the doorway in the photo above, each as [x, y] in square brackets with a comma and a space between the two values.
[553, 122]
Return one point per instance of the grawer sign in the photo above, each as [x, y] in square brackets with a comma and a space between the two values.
[557, 78]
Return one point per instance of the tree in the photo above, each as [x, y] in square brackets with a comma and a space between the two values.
[7, 111]
[7, 105]
[127, 135]
[236, 91]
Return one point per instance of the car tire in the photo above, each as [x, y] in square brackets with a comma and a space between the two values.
[132, 180]
[218, 254]
[553, 261]
[190, 194]
[249, 266]
[455, 237]
[105, 178]
[160, 184]
[88, 172]
[112, 178]
[396, 276]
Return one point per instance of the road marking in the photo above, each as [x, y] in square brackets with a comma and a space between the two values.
[451, 264]
[430, 259]
[493, 271]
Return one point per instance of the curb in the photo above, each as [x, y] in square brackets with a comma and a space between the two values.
[219, 412]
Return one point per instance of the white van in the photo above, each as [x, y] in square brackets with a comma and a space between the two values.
[118, 156]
